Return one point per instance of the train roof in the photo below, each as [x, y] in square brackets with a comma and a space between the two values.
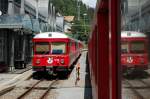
[53, 35]
[132, 34]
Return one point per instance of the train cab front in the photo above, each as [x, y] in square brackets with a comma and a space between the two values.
[50, 63]
[50, 57]
[134, 55]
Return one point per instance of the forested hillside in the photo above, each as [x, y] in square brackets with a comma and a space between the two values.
[69, 8]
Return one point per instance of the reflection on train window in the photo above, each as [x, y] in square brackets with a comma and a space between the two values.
[58, 48]
[42, 48]
[137, 47]
[124, 47]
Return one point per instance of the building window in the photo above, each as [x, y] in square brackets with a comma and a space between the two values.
[17, 1]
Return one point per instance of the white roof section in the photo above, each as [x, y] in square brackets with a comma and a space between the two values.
[132, 34]
[51, 35]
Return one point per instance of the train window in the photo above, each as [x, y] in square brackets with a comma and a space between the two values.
[137, 47]
[72, 47]
[42, 48]
[124, 47]
[58, 48]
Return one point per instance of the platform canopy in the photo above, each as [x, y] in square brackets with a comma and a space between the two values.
[19, 22]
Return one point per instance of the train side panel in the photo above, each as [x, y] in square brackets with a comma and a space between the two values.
[104, 51]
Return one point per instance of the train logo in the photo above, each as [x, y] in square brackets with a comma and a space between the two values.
[50, 60]
[129, 59]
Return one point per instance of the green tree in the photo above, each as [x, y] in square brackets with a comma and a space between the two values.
[69, 8]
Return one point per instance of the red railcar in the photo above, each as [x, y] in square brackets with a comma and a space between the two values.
[104, 51]
[54, 52]
[134, 52]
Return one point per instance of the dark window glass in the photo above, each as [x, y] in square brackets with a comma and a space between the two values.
[42, 48]
[137, 47]
[58, 48]
[124, 47]
[17, 1]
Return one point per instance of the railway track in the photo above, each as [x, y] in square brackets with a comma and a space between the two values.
[34, 89]
[133, 89]
[29, 90]
[146, 83]
[48, 89]
[140, 88]
[38, 87]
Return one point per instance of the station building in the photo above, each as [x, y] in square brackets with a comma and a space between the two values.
[136, 15]
[20, 20]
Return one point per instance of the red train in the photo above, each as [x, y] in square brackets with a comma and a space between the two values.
[104, 50]
[54, 52]
[134, 52]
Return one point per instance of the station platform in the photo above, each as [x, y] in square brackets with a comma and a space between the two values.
[9, 80]
[8, 76]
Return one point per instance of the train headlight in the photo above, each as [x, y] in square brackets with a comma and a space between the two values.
[142, 60]
[37, 61]
[62, 61]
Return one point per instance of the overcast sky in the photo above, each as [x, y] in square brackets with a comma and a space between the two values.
[91, 3]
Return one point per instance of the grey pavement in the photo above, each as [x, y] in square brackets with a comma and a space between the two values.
[10, 75]
[6, 77]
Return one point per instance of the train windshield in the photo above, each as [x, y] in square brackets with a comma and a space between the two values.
[124, 47]
[42, 48]
[137, 47]
[58, 48]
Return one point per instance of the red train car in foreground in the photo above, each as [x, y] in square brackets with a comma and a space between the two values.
[104, 50]
[54, 52]
[134, 52]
